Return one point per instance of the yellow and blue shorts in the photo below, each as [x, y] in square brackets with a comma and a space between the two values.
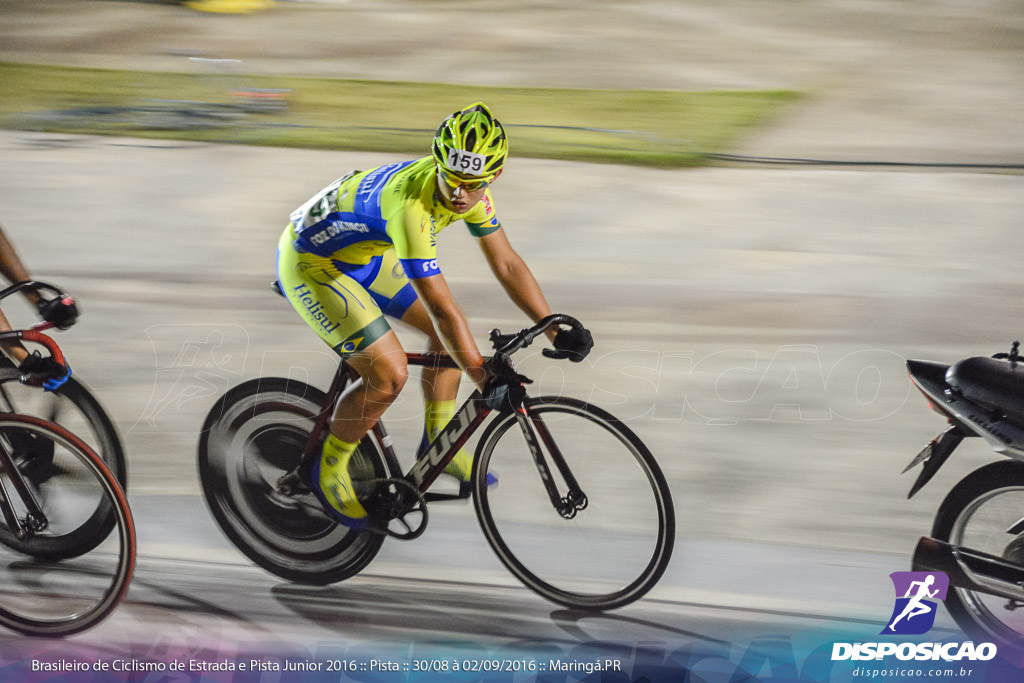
[344, 303]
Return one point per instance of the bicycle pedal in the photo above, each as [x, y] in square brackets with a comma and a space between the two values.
[465, 491]
[292, 484]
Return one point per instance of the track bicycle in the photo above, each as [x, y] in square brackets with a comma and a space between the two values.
[67, 538]
[590, 526]
[72, 405]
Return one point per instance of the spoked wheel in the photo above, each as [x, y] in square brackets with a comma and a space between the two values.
[977, 514]
[253, 437]
[75, 409]
[43, 591]
[604, 545]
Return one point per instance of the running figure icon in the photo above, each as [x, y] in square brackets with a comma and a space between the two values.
[916, 607]
[916, 596]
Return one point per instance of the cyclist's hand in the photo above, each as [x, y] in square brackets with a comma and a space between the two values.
[45, 372]
[572, 343]
[503, 390]
[502, 396]
[61, 311]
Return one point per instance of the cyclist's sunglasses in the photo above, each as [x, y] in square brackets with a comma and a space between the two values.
[469, 185]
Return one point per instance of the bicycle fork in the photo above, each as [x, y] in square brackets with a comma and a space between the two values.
[575, 499]
[35, 520]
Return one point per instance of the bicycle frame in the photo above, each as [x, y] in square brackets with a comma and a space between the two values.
[432, 462]
[34, 513]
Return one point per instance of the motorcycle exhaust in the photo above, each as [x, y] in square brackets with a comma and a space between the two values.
[970, 569]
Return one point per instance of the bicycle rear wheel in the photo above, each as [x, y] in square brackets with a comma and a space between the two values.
[619, 541]
[46, 594]
[255, 434]
[75, 409]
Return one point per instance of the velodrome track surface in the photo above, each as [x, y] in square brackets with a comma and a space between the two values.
[751, 327]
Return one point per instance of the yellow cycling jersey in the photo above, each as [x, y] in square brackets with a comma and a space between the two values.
[363, 214]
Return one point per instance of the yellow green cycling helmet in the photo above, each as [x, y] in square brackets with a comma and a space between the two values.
[471, 143]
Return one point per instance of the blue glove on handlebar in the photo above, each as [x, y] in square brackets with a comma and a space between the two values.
[40, 371]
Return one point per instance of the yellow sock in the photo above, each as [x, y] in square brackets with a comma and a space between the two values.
[439, 414]
[335, 481]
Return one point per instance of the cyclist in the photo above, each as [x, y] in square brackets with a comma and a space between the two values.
[36, 369]
[364, 247]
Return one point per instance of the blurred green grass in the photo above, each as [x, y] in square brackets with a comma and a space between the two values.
[641, 127]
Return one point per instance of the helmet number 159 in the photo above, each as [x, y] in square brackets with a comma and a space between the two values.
[462, 161]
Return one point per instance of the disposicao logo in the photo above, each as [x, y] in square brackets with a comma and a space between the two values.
[917, 596]
[916, 606]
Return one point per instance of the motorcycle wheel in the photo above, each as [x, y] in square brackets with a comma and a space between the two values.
[976, 514]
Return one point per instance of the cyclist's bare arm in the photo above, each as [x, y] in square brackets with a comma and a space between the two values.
[515, 276]
[14, 350]
[451, 325]
[12, 268]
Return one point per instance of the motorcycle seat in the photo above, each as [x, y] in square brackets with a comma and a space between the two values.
[992, 382]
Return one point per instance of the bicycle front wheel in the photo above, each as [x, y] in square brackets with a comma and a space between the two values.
[74, 408]
[619, 539]
[46, 595]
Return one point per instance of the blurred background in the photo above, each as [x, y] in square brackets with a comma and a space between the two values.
[760, 209]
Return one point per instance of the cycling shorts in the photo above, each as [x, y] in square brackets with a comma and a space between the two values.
[344, 303]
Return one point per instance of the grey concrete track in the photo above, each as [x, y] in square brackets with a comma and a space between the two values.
[751, 327]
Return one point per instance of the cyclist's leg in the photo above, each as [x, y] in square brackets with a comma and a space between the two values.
[347, 318]
[382, 367]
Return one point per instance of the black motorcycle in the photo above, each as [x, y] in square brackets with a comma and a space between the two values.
[978, 535]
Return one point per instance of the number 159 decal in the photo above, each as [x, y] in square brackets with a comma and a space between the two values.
[466, 162]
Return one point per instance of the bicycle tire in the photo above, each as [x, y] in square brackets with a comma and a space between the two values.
[66, 596]
[74, 408]
[254, 434]
[101, 434]
[589, 593]
[978, 613]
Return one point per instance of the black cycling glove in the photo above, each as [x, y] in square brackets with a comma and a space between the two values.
[504, 389]
[61, 311]
[573, 344]
[38, 370]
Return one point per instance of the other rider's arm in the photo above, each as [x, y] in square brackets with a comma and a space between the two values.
[12, 269]
[451, 326]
